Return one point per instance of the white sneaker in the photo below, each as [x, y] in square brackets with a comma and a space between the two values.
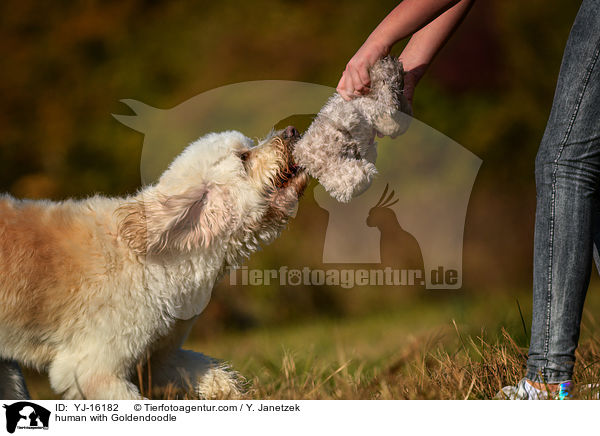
[525, 391]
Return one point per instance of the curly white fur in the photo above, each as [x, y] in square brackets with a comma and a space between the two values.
[338, 148]
[89, 288]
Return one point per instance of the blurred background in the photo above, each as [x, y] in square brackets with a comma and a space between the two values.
[66, 65]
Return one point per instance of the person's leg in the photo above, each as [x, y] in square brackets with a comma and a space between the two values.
[567, 179]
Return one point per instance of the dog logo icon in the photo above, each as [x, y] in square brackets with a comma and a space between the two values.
[26, 415]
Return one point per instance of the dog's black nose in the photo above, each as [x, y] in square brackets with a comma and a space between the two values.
[290, 132]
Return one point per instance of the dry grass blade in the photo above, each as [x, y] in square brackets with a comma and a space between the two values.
[341, 368]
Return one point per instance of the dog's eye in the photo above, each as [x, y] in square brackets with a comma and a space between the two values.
[244, 158]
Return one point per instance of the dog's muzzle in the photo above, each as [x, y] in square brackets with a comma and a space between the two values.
[290, 171]
[290, 133]
[290, 136]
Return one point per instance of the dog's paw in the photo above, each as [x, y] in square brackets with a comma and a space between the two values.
[220, 383]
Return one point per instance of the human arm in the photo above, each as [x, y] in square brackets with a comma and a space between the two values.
[432, 21]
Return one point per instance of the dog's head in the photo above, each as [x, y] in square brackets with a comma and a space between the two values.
[221, 190]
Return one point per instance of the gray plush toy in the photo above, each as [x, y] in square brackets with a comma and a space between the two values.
[338, 148]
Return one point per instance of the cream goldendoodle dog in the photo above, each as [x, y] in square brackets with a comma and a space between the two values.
[89, 288]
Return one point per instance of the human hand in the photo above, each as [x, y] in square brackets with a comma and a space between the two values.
[355, 80]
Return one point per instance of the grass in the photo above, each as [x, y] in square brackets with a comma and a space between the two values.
[426, 350]
[436, 348]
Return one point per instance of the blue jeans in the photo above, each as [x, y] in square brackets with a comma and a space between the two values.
[567, 224]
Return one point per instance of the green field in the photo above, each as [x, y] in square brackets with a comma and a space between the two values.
[444, 346]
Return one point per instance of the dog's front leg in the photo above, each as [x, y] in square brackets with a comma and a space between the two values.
[183, 373]
[93, 376]
[186, 373]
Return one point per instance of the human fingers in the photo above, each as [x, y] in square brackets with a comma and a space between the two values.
[344, 88]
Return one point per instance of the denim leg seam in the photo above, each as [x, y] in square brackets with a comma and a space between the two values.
[552, 207]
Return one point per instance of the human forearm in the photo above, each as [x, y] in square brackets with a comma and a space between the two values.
[427, 42]
[406, 18]
[409, 16]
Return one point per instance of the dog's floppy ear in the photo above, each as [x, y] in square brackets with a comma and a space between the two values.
[155, 222]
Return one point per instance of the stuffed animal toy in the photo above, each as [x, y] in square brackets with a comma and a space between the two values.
[338, 148]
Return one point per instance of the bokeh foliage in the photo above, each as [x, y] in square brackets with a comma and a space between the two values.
[65, 66]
